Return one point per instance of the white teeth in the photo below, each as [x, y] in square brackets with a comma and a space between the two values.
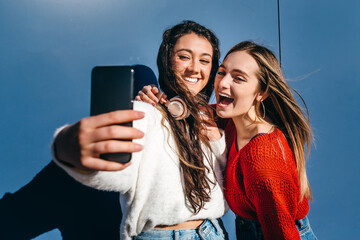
[225, 95]
[192, 80]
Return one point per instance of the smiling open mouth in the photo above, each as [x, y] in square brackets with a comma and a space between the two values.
[192, 80]
[225, 99]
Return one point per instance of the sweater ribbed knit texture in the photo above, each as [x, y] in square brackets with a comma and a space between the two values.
[262, 184]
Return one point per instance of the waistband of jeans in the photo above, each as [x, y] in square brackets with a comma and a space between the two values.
[302, 222]
[206, 226]
[299, 222]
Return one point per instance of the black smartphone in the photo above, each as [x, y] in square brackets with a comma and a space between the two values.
[112, 89]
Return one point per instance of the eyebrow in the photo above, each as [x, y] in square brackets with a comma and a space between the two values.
[235, 70]
[188, 50]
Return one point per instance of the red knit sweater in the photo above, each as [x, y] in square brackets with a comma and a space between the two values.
[261, 183]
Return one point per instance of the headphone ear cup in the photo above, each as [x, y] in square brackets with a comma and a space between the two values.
[177, 108]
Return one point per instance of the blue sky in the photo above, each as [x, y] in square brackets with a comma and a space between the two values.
[48, 49]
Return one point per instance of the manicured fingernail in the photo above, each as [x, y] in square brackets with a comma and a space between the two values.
[138, 147]
[140, 114]
[140, 134]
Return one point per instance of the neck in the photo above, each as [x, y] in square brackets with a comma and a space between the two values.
[247, 128]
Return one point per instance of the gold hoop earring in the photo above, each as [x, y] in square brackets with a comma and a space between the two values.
[263, 106]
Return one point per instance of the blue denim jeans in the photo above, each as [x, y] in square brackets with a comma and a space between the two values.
[251, 230]
[209, 229]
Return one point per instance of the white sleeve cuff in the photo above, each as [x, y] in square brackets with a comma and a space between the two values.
[53, 152]
[219, 149]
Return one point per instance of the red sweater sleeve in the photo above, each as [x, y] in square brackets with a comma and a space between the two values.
[271, 185]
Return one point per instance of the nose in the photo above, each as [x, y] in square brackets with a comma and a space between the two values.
[194, 66]
[224, 82]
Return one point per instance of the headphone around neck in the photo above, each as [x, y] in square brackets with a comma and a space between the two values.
[177, 108]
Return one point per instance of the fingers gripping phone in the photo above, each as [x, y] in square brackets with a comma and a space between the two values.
[112, 89]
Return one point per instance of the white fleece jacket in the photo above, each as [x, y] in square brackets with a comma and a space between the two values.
[152, 186]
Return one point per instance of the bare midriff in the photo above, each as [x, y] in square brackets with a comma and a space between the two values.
[185, 225]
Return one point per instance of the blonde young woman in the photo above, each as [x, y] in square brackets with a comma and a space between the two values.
[265, 182]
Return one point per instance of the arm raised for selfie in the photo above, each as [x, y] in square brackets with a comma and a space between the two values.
[104, 175]
[81, 144]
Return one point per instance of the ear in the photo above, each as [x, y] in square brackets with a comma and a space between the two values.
[261, 96]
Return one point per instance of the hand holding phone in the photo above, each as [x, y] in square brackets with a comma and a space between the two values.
[81, 143]
[111, 90]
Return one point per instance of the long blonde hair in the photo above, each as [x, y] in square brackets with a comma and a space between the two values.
[282, 108]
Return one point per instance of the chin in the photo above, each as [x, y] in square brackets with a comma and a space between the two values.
[193, 90]
[228, 113]
[221, 113]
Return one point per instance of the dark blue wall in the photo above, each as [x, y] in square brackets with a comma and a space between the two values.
[47, 50]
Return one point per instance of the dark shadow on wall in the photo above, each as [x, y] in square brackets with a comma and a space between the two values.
[53, 200]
